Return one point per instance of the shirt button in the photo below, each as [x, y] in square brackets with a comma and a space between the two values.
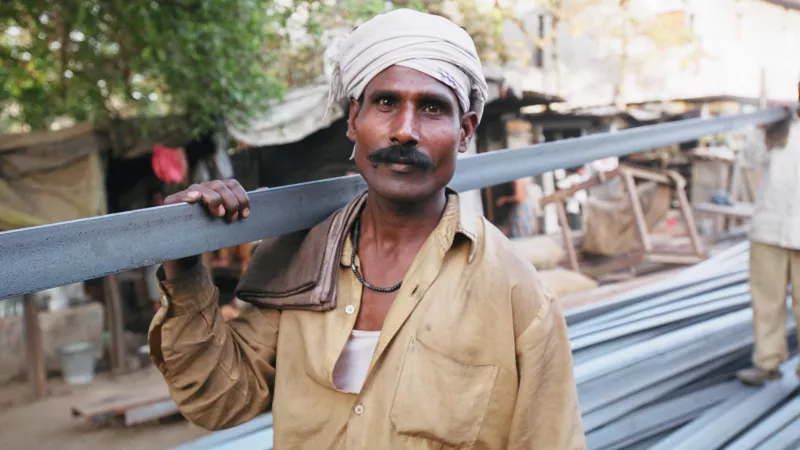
[359, 409]
[349, 309]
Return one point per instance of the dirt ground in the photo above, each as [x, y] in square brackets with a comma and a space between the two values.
[48, 423]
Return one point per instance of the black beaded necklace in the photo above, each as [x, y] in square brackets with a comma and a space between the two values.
[354, 233]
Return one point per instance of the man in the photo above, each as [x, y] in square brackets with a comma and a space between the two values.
[398, 322]
[775, 248]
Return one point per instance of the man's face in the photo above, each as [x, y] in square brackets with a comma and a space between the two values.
[407, 132]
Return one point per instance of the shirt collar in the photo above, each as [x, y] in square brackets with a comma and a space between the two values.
[455, 221]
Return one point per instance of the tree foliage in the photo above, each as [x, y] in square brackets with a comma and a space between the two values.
[91, 59]
[104, 59]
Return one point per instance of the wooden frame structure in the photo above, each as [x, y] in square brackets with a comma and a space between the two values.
[629, 174]
[743, 190]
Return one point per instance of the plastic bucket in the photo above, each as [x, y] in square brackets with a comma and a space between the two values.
[77, 362]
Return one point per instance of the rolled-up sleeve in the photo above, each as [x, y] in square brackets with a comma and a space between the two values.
[219, 373]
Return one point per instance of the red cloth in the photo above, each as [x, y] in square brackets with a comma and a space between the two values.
[170, 164]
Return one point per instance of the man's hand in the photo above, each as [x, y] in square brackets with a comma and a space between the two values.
[224, 199]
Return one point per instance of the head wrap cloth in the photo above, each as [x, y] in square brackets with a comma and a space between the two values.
[424, 42]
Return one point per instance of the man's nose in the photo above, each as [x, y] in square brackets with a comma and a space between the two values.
[405, 126]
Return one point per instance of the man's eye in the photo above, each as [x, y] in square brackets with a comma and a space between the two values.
[432, 108]
[385, 101]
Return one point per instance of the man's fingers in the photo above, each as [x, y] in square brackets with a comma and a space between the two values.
[222, 198]
[212, 200]
[190, 195]
[241, 196]
[229, 201]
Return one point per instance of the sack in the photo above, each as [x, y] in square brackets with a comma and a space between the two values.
[564, 282]
[611, 226]
[542, 251]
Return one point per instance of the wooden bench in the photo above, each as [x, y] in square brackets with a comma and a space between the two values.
[129, 407]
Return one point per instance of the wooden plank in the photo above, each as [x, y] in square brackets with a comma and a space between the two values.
[155, 411]
[117, 403]
[37, 376]
[563, 194]
[612, 264]
[638, 213]
[738, 210]
[647, 174]
[572, 258]
[667, 258]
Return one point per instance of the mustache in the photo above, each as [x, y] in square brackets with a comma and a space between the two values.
[397, 154]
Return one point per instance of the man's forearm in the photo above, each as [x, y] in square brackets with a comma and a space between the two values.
[174, 268]
[195, 349]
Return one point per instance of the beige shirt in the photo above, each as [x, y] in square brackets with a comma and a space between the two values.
[777, 207]
[473, 354]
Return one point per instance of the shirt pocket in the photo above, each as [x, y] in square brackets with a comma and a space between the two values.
[440, 399]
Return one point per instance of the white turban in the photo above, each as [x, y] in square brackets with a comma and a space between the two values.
[424, 42]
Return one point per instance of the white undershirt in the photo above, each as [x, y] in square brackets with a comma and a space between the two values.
[353, 364]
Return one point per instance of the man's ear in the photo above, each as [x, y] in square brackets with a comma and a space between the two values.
[351, 119]
[469, 123]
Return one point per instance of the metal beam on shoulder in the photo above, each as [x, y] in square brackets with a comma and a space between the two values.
[42, 257]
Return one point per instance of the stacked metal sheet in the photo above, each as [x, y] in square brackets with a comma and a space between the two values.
[655, 368]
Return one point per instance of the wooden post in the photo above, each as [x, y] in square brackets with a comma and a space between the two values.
[567, 235]
[119, 363]
[37, 376]
[688, 219]
[638, 213]
[550, 214]
[489, 200]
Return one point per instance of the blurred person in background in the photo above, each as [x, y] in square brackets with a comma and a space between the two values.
[775, 246]
[523, 216]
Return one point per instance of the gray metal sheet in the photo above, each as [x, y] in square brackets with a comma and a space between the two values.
[715, 308]
[683, 434]
[212, 440]
[259, 440]
[738, 418]
[610, 363]
[42, 257]
[596, 351]
[652, 420]
[632, 402]
[656, 310]
[708, 353]
[713, 267]
[707, 287]
[768, 426]
[786, 439]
